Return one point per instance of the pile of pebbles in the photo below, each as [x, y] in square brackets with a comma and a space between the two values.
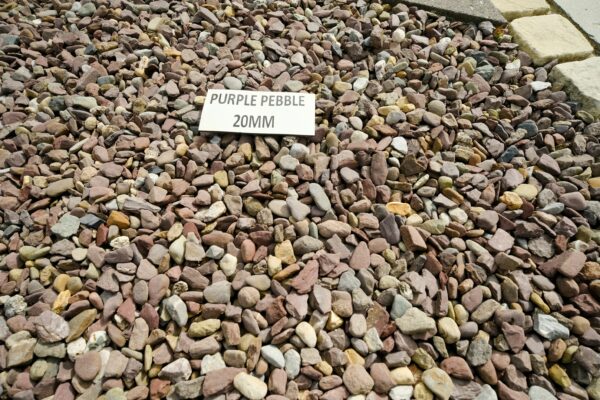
[436, 239]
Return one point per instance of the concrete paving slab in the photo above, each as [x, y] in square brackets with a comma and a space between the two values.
[580, 80]
[585, 14]
[470, 10]
[548, 37]
[512, 9]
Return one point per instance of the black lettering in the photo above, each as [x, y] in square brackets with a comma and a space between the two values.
[301, 101]
[253, 121]
[240, 98]
[237, 121]
[213, 97]
[269, 122]
[288, 101]
[263, 99]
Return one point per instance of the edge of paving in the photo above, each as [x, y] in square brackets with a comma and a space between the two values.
[556, 9]
[587, 100]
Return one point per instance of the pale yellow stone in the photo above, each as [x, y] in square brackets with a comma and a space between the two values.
[512, 200]
[421, 392]
[559, 376]
[171, 52]
[246, 150]
[324, 368]
[204, 328]
[60, 282]
[221, 178]
[526, 191]
[181, 149]
[354, 357]
[399, 208]
[285, 252]
[538, 301]
[61, 301]
[334, 321]
[402, 376]
[385, 110]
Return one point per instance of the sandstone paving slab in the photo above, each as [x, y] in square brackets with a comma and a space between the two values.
[549, 37]
[476, 10]
[585, 14]
[512, 9]
[581, 80]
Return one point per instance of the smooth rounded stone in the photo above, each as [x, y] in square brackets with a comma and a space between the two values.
[88, 365]
[292, 363]
[399, 306]
[30, 253]
[330, 228]
[538, 392]
[204, 328]
[307, 244]
[357, 326]
[437, 107]
[527, 191]
[288, 163]
[458, 215]
[487, 393]
[279, 208]
[401, 392]
[273, 356]
[298, 210]
[485, 311]
[400, 144]
[307, 334]
[574, 200]
[438, 381]
[232, 83]
[448, 329]
[218, 293]
[248, 297]
[357, 380]
[319, 197]
[228, 264]
[249, 386]
[416, 322]
[402, 376]
[294, 86]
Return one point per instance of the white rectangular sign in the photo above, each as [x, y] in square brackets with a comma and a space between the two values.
[263, 113]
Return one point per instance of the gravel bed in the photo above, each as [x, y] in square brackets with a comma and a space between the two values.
[436, 239]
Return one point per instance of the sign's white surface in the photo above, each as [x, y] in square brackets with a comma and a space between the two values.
[262, 113]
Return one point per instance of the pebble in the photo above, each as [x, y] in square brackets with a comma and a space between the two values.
[249, 386]
[438, 382]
